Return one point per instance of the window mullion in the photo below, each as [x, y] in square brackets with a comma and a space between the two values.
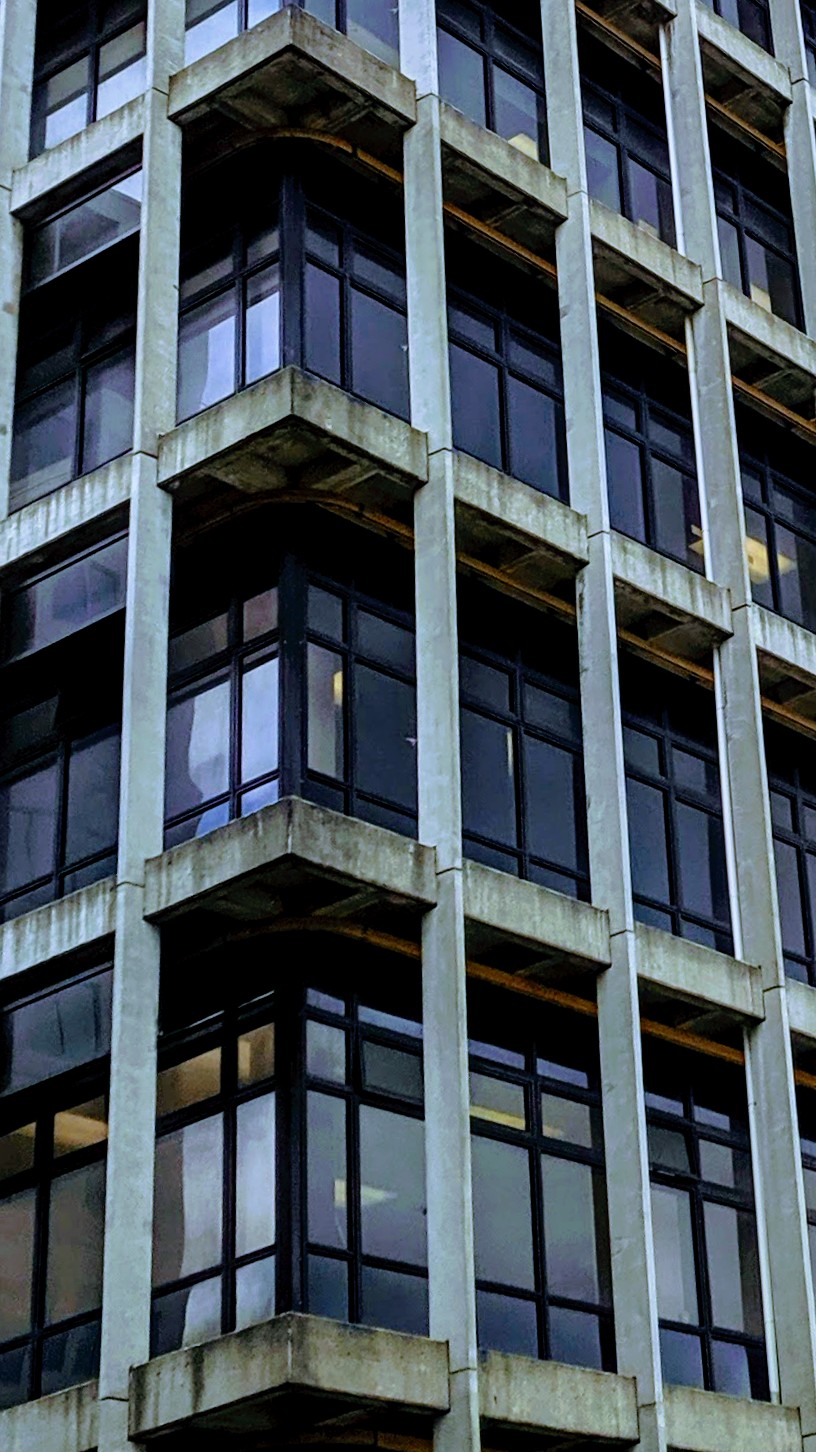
[293, 665]
[292, 269]
[290, 1148]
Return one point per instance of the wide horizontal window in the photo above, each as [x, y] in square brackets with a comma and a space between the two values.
[780, 518]
[755, 225]
[372, 24]
[89, 60]
[491, 68]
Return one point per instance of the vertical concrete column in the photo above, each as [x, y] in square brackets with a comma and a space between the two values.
[800, 143]
[783, 1231]
[447, 1107]
[17, 27]
[129, 1206]
[633, 1270]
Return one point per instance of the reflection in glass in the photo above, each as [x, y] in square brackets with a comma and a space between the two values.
[75, 1234]
[392, 1172]
[501, 1213]
[187, 1215]
[255, 1175]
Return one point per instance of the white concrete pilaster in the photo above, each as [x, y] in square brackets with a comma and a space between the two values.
[17, 27]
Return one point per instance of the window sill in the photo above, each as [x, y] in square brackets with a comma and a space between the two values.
[63, 926]
[704, 1421]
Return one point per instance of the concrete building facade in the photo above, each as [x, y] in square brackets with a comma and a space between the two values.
[407, 698]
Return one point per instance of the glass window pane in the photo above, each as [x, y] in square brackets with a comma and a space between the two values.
[15, 1371]
[475, 402]
[532, 429]
[92, 813]
[484, 683]
[188, 1083]
[676, 509]
[66, 102]
[195, 645]
[322, 323]
[668, 1148]
[70, 1358]
[385, 743]
[731, 1367]
[569, 1120]
[682, 1358]
[603, 179]
[28, 817]
[326, 732]
[327, 1174]
[392, 1185]
[519, 114]
[497, 1101]
[647, 840]
[17, 1153]
[260, 614]
[544, 708]
[218, 26]
[625, 485]
[259, 720]
[551, 780]
[185, 1318]
[121, 69]
[385, 641]
[80, 1127]
[575, 1232]
[207, 261]
[374, 25]
[44, 443]
[733, 1268]
[488, 778]
[255, 1293]
[326, 1052]
[645, 199]
[328, 1287]
[84, 229]
[397, 1302]
[262, 324]
[575, 1337]
[55, 1033]
[701, 862]
[187, 1200]
[790, 898]
[256, 1054]
[674, 1255]
[758, 555]
[502, 1213]
[379, 353]
[723, 1165]
[392, 1071]
[109, 388]
[506, 1323]
[461, 77]
[16, 1263]
[206, 364]
[729, 252]
[76, 1225]
[641, 752]
[796, 564]
[197, 750]
[255, 1174]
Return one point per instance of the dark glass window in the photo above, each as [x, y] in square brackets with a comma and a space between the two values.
[306, 1105]
[298, 681]
[806, 1106]
[59, 731]
[780, 518]
[752, 17]
[89, 60]
[809, 27]
[543, 1280]
[627, 153]
[76, 356]
[319, 291]
[373, 24]
[491, 68]
[522, 754]
[709, 1296]
[792, 786]
[651, 469]
[52, 1186]
[505, 362]
[757, 245]
[676, 837]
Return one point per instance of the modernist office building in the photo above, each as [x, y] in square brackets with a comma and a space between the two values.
[407, 725]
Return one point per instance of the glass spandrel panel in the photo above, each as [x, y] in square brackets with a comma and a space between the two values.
[197, 750]
[502, 1224]
[44, 443]
[65, 102]
[28, 817]
[189, 1082]
[475, 399]
[259, 720]
[108, 418]
[647, 840]
[262, 324]
[327, 1173]
[392, 1185]
[86, 229]
[206, 355]
[575, 1234]
[674, 1255]
[385, 738]
[488, 778]
[76, 1224]
[16, 1263]
[122, 69]
[733, 1268]
[255, 1174]
[187, 1214]
[462, 77]
[326, 729]
[92, 812]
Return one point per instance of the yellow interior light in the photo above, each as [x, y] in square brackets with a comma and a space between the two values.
[525, 144]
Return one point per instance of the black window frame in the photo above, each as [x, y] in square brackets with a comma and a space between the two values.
[742, 212]
[95, 35]
[385, 52]
[488, 19]
[777, 500]
[792, 798]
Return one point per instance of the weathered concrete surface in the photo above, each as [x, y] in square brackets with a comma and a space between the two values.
[36, 183]
[64, 1422]
[546, 1396]
[743, 52]
[700, 1421]
[526, 912]
[77, 921]
[802, 1009]
[59, 519]
[228, 1383]
[698, 974]
[698, 611]
[510, 173]
[643, 254]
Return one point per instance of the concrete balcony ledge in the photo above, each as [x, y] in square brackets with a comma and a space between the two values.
[641, 273]
[291, 853]
[292, 72]
[64, 1422]
[534, 540]
[688, 973]
[518, 1393]
[558, 931]
[662, 601]
[498, 184]
[702, 1421]
[787, 661]
[78, 921]
[106, 146]
[241, 1383]
[768, 352]
[802, 1010]
[293, 433]
[749, 82]
[60, 523]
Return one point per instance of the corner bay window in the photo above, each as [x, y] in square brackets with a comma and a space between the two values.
[54, 1050]
[89, 60]
[757, 246]
[780, 517]
[59, 729]
[372, 24]
[704, 1225]
[491, 68]
[792, 785]
[290, 276]
[674, 804]
[307, 1105]
[522, 759]
[295, 683]
[650, 459]
[76, 356]
[543, 1278]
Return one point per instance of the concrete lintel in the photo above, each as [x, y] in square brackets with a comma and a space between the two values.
[660, 599]
[699, 975]
[785, 641]
[802, 1010]
[291, 69]
[342, 848]
[77, 921]
[573, 930]
[703, 1421]
[61, 168]
[546, 1396]
[742, 55]
[641, 272]
[768, 352]
[228, 1384]
[293, 431]
[43, 526]
[64, 1422]
[534, 539]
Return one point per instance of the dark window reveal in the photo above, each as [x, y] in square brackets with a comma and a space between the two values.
[757, 246]
[53, 1128]
[627, 152]
[89, 60]
[676, 837]
[780, 518]
[372, 24]
[752, 17]
[806, 1106]
[709, 1296]
[543, 1279]
[491, 68]
[809, 27]
[792, 784]
[651, 470]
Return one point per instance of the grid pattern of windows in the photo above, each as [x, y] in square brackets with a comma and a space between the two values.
[780, 519]
[676, 837]
[89, 60]
[373, 24]
[490, 68]
[543, 1277]
[706, 1254]
[627, 153]
[650, 457]
[53, 1128]
[752, 17]
[757, 246]
[792, 785]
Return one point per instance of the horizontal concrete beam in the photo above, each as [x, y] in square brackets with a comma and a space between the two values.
[229, 1383]
[771, 336]
[529, 535]
[644, 256]
[698, 612]
[545, 1396]
[526, 913]
[35, 185]
[81, 505]
[78, 921]
[702, 1421]
[743, 54]
[802, 1009]
[64, 1422]
[785, 641]
[335, 846]
[699, 975]
[508, 173]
